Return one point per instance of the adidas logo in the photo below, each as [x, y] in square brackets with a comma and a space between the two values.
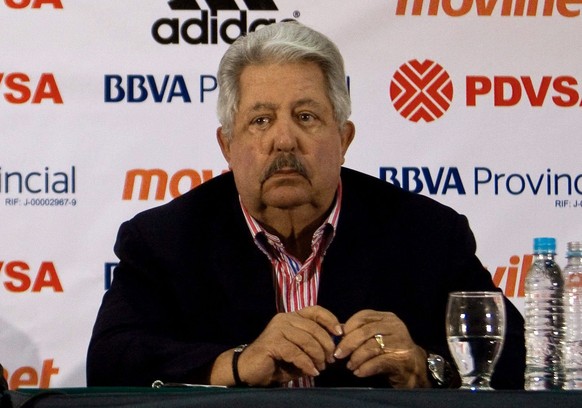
[215, 5]
[206, 27]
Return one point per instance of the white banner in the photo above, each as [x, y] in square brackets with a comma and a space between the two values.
[477, 104]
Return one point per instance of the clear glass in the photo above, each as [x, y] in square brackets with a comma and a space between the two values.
[475, 333]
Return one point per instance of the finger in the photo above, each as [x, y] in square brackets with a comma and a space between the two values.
[322, 317]
[369, 349]
[320, 334]
[292, 354]
[284, 350]
[309, 344]
[322, 325]
[366, 324]
[362, 318]
[403, 368]
[381, 364]
[359, 329]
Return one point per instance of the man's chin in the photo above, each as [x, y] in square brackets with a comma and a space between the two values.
[286, 195]
[285, 177]
[285, 180]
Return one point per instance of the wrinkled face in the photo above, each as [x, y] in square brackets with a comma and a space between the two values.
[286, 149]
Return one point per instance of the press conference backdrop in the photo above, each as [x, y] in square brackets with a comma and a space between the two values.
[107, 108]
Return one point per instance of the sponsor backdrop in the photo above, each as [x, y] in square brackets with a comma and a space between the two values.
[107, 108]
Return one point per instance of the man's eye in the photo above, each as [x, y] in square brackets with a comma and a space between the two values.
[262, 121]
[306, 117]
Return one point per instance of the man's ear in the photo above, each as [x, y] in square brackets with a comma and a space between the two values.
[224, 144]
[347, 134]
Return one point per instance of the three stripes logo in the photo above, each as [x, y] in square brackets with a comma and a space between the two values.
[209, 22]
[421, 91]
[214, 5]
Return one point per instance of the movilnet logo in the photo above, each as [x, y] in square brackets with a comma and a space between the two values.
[488, 8]
[421, 90]
[175, 184]
[512, 278]
[207, 26]
[29, 376]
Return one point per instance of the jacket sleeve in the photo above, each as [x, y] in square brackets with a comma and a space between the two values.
[136, 338]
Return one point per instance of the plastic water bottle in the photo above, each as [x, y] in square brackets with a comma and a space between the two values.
[544, 319]
[573, 317]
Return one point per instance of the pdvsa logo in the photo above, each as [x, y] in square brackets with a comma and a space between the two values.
[175, 184]
[33, 4]
[424, 91]
[18, 277]
[487, 8]
[220, 22]
[506, 91]
[20, 88]
[421, 90]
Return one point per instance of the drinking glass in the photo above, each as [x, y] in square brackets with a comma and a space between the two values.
[475, 332]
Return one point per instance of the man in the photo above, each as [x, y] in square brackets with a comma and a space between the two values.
[3, 383]
[289, 270]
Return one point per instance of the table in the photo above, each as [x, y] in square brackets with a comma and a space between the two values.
[283, 398]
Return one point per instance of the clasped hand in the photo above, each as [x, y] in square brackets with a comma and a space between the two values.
[301, 343]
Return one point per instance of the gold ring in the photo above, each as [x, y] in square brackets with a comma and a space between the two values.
[380, 340]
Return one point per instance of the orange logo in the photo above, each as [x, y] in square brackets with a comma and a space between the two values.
[509, 90]
[485, 8]
[179, 183]
[18, 277]
[421, 90]
[17, 88]
[514, 274]
[28, 376]
[35, 4]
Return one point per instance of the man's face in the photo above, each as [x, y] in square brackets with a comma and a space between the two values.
[285, 115]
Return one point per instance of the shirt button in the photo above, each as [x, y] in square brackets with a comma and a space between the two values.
[299, 278]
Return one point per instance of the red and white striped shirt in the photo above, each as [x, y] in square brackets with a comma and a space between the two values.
[296, 283]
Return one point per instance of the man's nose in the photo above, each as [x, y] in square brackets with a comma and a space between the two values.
[285, 135]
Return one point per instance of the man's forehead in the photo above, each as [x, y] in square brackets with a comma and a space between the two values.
[300, 74]
[269, 87]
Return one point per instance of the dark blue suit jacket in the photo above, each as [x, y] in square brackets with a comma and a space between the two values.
[191, 282]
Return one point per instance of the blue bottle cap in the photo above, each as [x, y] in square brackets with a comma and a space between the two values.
[574, 249]
[544, 245]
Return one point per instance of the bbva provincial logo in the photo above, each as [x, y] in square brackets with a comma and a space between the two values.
[421, 90]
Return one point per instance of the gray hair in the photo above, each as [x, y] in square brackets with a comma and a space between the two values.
[283, 42]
